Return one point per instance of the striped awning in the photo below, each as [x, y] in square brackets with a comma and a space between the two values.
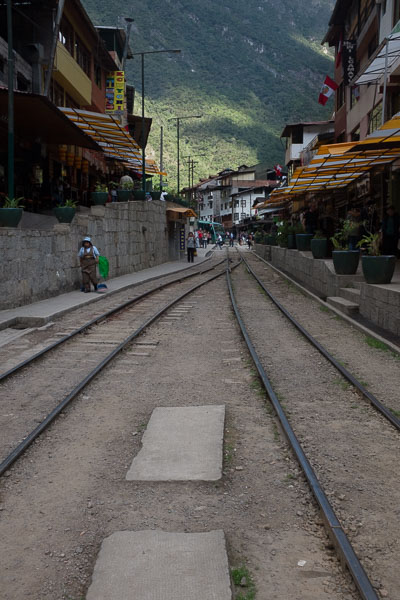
[113, 139]
[335, 166]
[375, 70]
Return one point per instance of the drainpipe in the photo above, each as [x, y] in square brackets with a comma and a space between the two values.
[56, 30]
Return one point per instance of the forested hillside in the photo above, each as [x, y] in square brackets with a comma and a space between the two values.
[248, 66]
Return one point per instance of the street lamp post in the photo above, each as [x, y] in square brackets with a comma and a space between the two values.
[142, 55]
[178, 120]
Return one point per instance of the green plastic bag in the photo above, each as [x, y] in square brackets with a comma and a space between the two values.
[104, 267]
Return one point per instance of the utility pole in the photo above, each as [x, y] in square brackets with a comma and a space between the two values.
[10, 115]
[178, 120]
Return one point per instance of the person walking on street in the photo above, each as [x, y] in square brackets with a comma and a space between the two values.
[249, 241]
[220, 241]
[205, 239]
[191, 247]
[231, 239]
[88, 257]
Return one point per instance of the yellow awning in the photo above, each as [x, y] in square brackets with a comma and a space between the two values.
[113, 139]
[181, 210]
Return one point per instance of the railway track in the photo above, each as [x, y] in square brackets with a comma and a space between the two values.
[36, 384]
[304, 414]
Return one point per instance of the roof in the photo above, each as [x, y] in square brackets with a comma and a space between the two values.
[289, 126]
[37, 117]
[181, 211]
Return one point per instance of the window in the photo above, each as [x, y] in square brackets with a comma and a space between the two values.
[66, 35]
[372, 46]
[383, 7]
[82, 56]
[396, 15]
[355, 135]
[375, 118]
[70, 102]
[297, 135]
[97, 75]
[236, 203]
[340, 96]
[2, 67]
[236, 217]
[57, 94]
[354, 95]
[23, 85]
[210, 204]
[243, 203]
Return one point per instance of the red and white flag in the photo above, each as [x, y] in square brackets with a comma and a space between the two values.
[329, 87]
[278, 170]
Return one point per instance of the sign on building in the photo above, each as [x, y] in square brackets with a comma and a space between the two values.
[349, 61]
[115, 92]
[182, 239]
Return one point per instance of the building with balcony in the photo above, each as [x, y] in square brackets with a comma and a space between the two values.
[302, 136]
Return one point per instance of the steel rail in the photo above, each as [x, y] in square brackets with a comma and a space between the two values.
[342, 370]
[98, 319]
[26, 442]
[334, 526]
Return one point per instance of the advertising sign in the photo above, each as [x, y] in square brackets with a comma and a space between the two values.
[349, 61]
[182, 239]
[115, 92]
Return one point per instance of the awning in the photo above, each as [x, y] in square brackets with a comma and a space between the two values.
[182, 211]
[376, 68]
[36, 118]
[113, 139]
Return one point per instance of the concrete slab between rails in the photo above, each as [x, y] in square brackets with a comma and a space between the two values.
[181, 444]
[40, 313]
[150, 565]
[362, 328]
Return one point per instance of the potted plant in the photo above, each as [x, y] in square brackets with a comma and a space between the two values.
[319, 245]
[345, 261]
[303, 240]
[259, 237]
[377, 269]
[139, 194]
[11, 213]
[65, 212]
[125, 192]
[156, 193]
[282, 235]
[100, 194]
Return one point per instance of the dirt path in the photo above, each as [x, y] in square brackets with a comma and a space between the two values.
[69, 491]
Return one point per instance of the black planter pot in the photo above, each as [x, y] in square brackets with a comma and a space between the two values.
[291, 241]
[346, 261]
[303, 241]
[319, 248]
[99, 198]
[155, 195]
[10, 217]
[64, 214]
[124, 195]
[139, 195]
[378, 269]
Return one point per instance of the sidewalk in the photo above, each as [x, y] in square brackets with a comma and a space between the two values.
[40, 313]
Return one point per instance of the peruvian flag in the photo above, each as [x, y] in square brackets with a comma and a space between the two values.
[329, 87]
[278, 170]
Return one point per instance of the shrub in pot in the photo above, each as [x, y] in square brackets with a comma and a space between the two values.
[65, 212]
[377, 268]
[155, 195]
[282, 235]
[139, 195]
[124, 193]
[259, 237]
[100, 194]
[319, 245]
[345, 261]
[292, 231]
[11, 212]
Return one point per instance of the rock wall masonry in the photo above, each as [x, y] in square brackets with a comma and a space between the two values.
[37, 264]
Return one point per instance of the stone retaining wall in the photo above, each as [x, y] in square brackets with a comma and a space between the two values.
[37, 264]
[317, 275]
[378, 303]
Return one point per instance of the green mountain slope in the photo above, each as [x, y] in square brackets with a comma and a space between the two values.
[247, 66]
